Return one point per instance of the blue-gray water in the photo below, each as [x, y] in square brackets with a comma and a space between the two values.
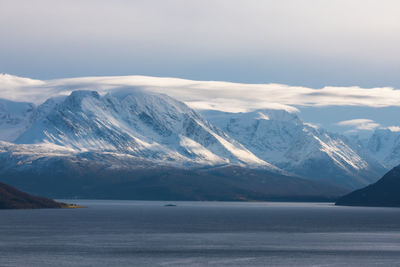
[146, 233]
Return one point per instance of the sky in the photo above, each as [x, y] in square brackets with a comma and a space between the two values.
[314, 44]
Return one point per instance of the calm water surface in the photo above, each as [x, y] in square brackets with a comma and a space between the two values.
[146, 233]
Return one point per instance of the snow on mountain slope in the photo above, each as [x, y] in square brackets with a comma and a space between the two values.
[145, 125]
[384, 145]
[254, 130]
[15, 118]
[281, 138]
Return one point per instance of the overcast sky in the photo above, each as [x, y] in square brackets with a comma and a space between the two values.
[312, 43]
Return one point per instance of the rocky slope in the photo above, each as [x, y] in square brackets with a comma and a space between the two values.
[77, 177]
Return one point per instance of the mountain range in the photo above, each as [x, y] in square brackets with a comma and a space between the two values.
[127, 134]
[284, 140]
[384, 146]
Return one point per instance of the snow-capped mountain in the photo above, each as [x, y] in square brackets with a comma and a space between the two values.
[145, 125]
[281, 138]
[384, 146]
[15, 118]
[129, 127]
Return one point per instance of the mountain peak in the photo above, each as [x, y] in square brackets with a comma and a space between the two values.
[78, 95]
[133, 123]
[283, 139]
[277, 114]
[136, 123]
[15, 117]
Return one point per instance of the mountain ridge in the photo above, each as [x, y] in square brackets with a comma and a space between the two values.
[139, 124]
[130, 129]
[283, 139]
[383, 193]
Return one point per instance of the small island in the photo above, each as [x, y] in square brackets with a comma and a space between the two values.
[12, 198]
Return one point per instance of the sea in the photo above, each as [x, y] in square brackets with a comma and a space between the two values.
[182, 233]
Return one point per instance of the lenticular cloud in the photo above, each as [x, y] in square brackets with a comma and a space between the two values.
[225, 96]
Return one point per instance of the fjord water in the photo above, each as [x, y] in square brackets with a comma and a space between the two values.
[148, 233]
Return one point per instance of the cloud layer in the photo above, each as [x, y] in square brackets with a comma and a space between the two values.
[307, 42]
[360, 124]
[225, 96]
[357, 125]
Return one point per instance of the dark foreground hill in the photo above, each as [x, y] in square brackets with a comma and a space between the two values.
[384, 193]
[12, 198]
[64, 178]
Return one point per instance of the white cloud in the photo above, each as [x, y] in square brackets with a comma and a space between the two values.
[360, 124]
[216, 95]
[394, 128]
[313, 125]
